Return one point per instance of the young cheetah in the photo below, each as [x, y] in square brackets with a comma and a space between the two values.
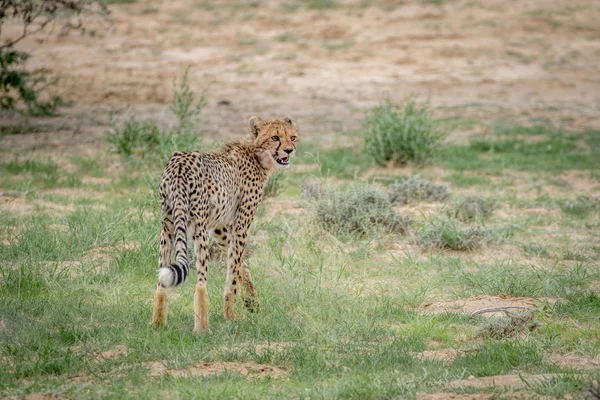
[217, 193]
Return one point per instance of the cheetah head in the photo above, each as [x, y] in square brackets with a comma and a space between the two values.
[275, 141]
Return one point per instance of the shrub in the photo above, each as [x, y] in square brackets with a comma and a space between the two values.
[445, 233]
[16, 83]
[471, 207]
[415, 190]
[400, 136]
[137, 137]
[358, 209]
[146, 140]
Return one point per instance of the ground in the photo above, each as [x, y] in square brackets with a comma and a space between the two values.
[381, 315]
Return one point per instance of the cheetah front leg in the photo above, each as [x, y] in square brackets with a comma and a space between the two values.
[159, 315]
[201, 292]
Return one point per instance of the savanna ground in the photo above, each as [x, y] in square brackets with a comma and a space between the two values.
[389, 310]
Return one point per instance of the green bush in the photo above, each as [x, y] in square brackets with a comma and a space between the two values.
[137, 137]
[16, 81]
[145, 139]
[400, 136]
[358, 209]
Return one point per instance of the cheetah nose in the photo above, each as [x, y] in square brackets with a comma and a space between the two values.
[288, 150]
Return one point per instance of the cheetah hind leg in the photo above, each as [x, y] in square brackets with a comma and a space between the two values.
[249, 294]
[159, 316]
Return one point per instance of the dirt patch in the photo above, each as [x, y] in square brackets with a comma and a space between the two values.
[446, 355]
[249, 369]
[95, 180]
[576, 361]
[275, 207]
[36, 396]
[119, 351]
[507, 381]
[478, 303]
[455, 396]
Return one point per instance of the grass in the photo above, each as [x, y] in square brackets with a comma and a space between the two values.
[512, 147]
[469, 208]
[146, 141]
[358, 209]
[446, 233]
[399, 134]
[343, 288]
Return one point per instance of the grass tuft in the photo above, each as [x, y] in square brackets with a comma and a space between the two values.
[145, 140]
[581, 207]
[470, 208]
[274, 184]
[415, 190]
[358, 209]
[446, 233]
[399, 135]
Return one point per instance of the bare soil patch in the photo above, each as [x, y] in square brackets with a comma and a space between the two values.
[37, 396]
[446, 355]
[454, 396]
[478, 303]
[112, 354]
[509, 381]
[576, 361]
[249, 369]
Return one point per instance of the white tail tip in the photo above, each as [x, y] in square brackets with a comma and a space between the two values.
[165, 277]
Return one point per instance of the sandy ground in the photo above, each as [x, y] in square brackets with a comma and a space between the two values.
[326, 67]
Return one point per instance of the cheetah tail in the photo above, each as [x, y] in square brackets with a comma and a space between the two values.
[177, 272]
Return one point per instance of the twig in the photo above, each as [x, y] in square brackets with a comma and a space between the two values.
[494, 309]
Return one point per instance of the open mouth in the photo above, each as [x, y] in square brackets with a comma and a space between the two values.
[282, 161]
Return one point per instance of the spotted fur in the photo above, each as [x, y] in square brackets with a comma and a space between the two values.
[217, 193]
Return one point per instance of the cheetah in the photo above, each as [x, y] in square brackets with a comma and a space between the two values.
[217, 194]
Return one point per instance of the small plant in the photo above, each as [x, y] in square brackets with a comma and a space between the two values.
[311, 191]
[400, 136]
[273, 186]
[445, 233]
[136, 138]
[415, 190]
[356, 210]
[146, 140]
[183, 106]
[470, 208]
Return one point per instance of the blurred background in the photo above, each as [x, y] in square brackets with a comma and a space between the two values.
[325, 62]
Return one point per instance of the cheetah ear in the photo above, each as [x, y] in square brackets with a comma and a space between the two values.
[254, 124]
[288, 120]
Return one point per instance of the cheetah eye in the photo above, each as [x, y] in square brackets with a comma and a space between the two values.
[293, 138]
[274, 138]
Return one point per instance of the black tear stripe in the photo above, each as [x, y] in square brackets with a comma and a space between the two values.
[278, 146]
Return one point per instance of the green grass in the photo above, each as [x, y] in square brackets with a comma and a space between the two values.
[402, 133]
[343, 288]
[555, 152]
